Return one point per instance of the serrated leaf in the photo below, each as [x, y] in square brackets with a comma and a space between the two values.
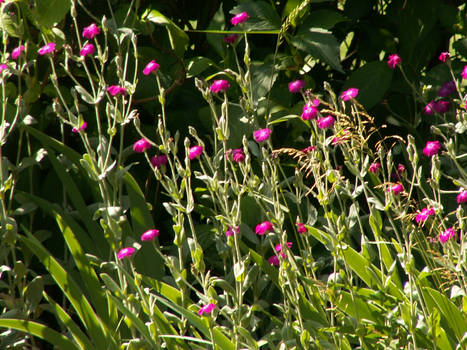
[321, 44]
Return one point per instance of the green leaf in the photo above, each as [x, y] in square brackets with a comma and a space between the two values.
[262, 15]
[324, 18]
[33, 292]
[48, 13]
[197, 65]
[372, 80]
[264, 265]
[321, 44]
[177, 37]
[216, 40]
[263, 76]
[40, 331]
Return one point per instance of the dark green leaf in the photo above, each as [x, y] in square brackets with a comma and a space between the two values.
[47, 13]
[262, 15]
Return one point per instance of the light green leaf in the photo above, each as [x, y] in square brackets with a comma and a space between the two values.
[47, 13]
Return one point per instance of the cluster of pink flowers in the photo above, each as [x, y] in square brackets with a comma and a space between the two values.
[263, 228]
[301, 227]
[424, 215]
[219, 85]
[158, 161]
[142, 145]
[310, 110]
[446, 235]
[207, 309]
[237, 155]
[195, 151]
[439, 106]
[374, 167]
[262, 135]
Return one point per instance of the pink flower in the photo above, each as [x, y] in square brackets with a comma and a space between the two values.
[152, 66]
[116, 90]
[325, 122]
[349, 93]
[230, 39]
[125, 252]
[231, 231]
[274, 260]
[431, 148]
[429, 109]
[309, 110]
[219, 85]
[207, 309]
[149, 235]
[87, 49]
[336, 140]
[393, 61]
[464, 72]
[445, 235]
[82, 127]
[279, 246]
[308, 149]
[296, 86]
[262, 134]
[396, 189]
[237, 155]
[444, 56]
[3, 66]
[462, 197]
[158, 161]
[264, 227]
[240, 18]
[47, 48]
[141, 146]
[19, 50]
[91, 31]
[441, 106]
[374, 168]
[195, 152]
[447, 89]
[424, 215]
[301, 227]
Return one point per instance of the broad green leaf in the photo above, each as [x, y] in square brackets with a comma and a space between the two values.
[177, 37]
[11, 24]
[324, 18]
[321, 44]
[39, 330]
[262, 15]
[217, 23]
[263, 264]
[263, 76]
[48, 13]
[197, 65]
[372, 81]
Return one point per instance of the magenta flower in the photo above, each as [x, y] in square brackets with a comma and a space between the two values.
[47, 48]
[424, 215]
[141, 145]
[396, 189]
[464, 72]
[231, 231]
[274, 260]
[349, 94]
[325, 122]
[441, 106]
[446, 235]
[279, 246]
[158, 161]
[3, 66]
[91, 31]
[152, 66]
[149, 235]
[374, 168]
[447, 89]
[336, 140]
[19, 50]
[262, 134]
[301, 227]
[125, 252]
[230, 39]
[309, 110]
[82, 127]
[87, 49]
[431, 148]
[219, 85]
[429, 109]
[393, 61]
[207, 309]
[462, 197]
[444, 56]
[116, 90]
[240, 18]
[296, 86]
[237, 155]
[308, 149]
[264, 227]
[195, 152]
